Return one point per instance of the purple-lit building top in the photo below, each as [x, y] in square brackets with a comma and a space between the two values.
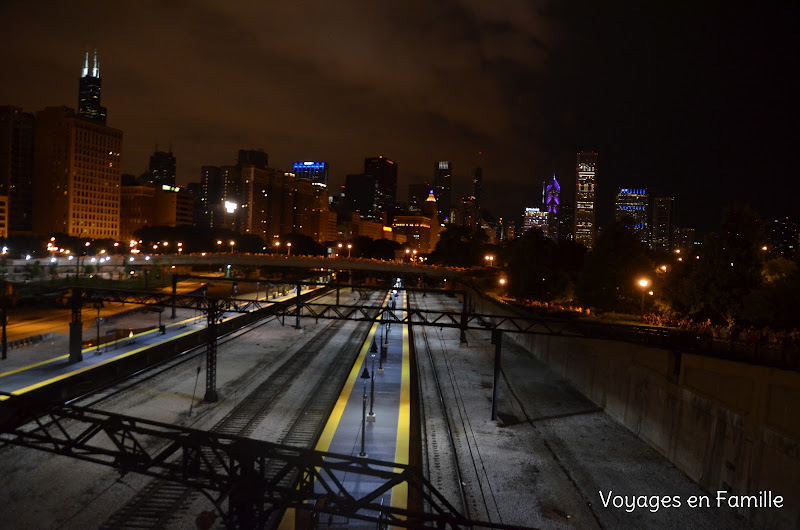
[551, 196]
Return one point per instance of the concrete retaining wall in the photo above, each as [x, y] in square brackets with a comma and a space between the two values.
[728, 425]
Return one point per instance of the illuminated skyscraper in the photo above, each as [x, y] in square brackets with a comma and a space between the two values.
[442, 178]
[77, 175]
[631, 208]
[161, 171]
[385, 173]
[221, 196]
[314, 172]
[536, 218]
[585, 179]
[663, 224]
[551, 199]
[551, 196]
[89, 107]
[418, 196]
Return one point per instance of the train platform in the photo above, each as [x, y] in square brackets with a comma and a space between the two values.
[48, 362]
[372, 422]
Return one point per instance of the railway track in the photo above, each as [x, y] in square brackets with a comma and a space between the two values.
[162, 503]
[451, 455]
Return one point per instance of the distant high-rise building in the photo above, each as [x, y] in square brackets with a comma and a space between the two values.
[477, 193]
[535, 218]
[161, 171]
[77, 175]
[565, 222]
[142, 206]
[551, 199]
[663, 224]
[385, 173]
[89, 107]
[3, 215]
[420, 230]
[783, 237]
[551, 196]
[631, 208]
[467, 212]
[361, 195]
[684, 238]
[418, 195]
[195, 191]
[210, 192]
[585, 199]
[253, 157]
[16, 167]
[221, 196]
[314, 172]
[442, 182]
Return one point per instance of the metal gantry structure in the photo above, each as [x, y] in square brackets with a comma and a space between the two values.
[240, 475]
[214, 309]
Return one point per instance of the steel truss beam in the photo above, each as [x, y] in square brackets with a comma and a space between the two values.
[477, 321]
[184, 301]
[244, 474]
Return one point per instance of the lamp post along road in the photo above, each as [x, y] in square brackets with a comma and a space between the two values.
[643, 283]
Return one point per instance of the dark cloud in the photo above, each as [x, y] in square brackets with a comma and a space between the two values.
[655, 89]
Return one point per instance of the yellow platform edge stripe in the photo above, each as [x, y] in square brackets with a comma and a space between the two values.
[325, 439]
[401, 455]
[94, 348]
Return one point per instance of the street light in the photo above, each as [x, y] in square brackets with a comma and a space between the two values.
[219, 246]
[349, 247]
[232, 243]
[277, 244]
[643, 283]
[288, 248]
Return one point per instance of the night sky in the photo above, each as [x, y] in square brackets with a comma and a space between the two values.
[694, 101]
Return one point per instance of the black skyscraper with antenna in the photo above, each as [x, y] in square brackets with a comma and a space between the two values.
[89, 107]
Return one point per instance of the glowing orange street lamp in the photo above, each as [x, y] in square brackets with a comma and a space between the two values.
[643, 283]
[288, 248]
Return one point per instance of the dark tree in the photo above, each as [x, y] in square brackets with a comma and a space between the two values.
[460, 246]
[538, 268]
[612, 269]
[730, 265]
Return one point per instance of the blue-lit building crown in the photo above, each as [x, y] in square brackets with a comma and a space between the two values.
[315, 172]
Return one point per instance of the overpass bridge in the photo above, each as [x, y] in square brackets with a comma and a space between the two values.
[275, 261]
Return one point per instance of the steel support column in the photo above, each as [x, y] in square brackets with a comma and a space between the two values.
[211, 352]
[497, 335]
[299, 305]
[76, 327]
[464, 320]
[4, 322]
[174, 294]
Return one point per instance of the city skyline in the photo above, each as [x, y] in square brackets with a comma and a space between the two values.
[696, 108]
